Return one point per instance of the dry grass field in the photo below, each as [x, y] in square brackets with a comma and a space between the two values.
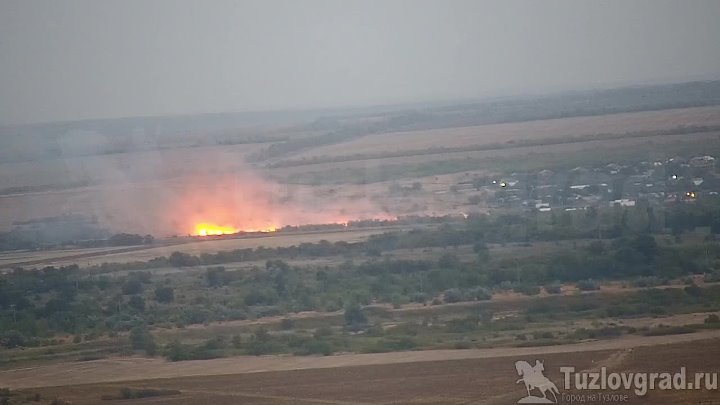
[522, 131]
[101, 255]
[519, 152]
[432, 377]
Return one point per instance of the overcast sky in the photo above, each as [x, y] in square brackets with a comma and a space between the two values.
[69, 59]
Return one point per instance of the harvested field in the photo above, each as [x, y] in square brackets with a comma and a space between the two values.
[519, 152]
[435, 377]
[517, 132]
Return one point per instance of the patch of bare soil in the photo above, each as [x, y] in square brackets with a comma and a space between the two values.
[130, 369]
[431, 381]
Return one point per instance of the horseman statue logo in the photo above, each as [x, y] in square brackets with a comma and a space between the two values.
[533, 378]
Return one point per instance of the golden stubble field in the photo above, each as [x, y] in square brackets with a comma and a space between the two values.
[521, 131]
[434, 377]
[521, 153]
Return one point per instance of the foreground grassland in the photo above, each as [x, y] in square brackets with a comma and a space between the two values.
[432, 378]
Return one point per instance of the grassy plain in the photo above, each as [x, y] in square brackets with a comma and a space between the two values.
[517, 132]
[434, 377]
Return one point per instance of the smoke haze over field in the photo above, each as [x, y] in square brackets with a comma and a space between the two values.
[80, 59]
[243, 201]
[295, 69]
[172, 193]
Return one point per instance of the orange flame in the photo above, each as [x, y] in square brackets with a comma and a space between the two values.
[205, 229]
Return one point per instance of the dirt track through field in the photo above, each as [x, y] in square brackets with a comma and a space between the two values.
[132, 369]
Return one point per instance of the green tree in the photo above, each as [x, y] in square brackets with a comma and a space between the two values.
[12, 338]
[137, 303]
[215, 276]
[142, 339]
[354, 315]
[164, 294]
[260, 343]
[132, 286]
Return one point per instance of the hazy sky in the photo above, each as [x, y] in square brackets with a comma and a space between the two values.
[69, 59]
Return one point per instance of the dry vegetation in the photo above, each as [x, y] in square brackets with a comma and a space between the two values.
[439, 377]
[516, 132]
[101, 255]
[482, 159]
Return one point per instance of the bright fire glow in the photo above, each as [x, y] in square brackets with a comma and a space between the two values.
[268, 229]
[205, 229]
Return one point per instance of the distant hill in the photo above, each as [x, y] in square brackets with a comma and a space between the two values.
[117, 135]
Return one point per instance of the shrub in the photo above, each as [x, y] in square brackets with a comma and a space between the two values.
[314, 346]
[712, 277]
[323, 331]
[460, 295]
[462, 325]
[261, 342]
[554, 288]
[142, 339]
[481, 293]
[420, 297]
[376, 330]
[712, 319]
[669, 330]
[215, 343]
[650, 281]
[137, 303]
[164, 294]
[132, 286]
[609, 331]
[237, 341]
[527, 289]
[588, 285]
[453, 295]
[354, 315]
[391, 345]
[693, 290]
[176, 351]
[543, 335]
[137, 393]
[260, 297]
[406, 329]
[287, 324]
